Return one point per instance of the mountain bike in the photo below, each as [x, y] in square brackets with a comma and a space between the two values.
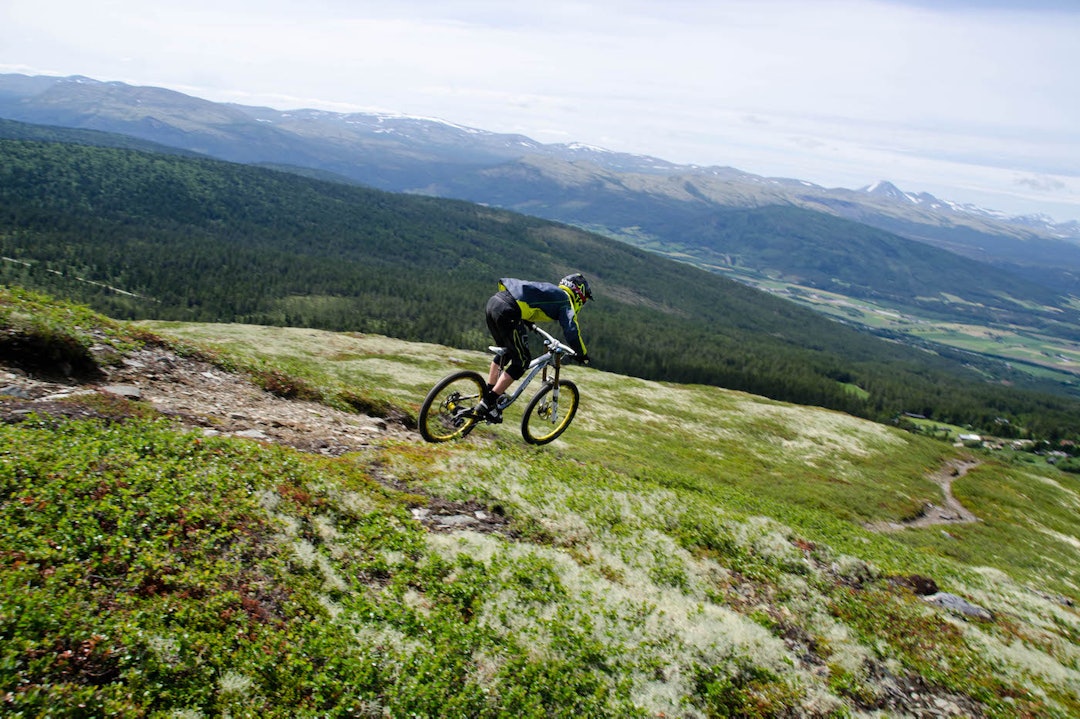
[449, 410]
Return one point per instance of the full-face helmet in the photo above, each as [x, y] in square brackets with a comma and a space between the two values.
[577, 284]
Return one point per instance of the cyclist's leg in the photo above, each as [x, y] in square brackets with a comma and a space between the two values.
[507, 329]
[504, 323]
[517, 357]
[496, 307]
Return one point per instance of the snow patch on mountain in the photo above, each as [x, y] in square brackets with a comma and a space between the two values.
[887, 191]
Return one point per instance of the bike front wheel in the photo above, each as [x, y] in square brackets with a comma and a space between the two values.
[545, 419]
[448, 411]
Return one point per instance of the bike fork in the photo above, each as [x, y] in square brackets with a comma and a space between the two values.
[554, 394]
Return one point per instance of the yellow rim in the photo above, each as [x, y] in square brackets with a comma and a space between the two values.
[542, 411]
[438, 422]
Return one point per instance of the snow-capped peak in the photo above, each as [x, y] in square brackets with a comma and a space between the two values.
[888, 191]
[583, 147]
[883, 188]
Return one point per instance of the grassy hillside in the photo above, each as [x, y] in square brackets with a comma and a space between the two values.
[144, 235]
[681, 551]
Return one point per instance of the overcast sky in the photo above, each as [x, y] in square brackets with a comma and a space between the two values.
[971, 100]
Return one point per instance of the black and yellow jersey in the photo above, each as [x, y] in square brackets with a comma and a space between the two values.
[547, 302]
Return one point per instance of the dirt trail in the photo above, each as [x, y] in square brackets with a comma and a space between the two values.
[202, 397]
[951, 513]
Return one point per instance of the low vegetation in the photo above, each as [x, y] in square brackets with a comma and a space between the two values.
[680, 551]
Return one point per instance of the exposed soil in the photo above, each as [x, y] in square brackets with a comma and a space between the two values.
[200, 396]
[951, 513]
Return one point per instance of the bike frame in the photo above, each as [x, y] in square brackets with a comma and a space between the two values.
[551, 358]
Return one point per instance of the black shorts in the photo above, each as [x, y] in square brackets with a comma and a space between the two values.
[509, 331]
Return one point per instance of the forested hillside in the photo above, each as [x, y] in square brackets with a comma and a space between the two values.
[806, 248]
[145, 235]
[13, 130]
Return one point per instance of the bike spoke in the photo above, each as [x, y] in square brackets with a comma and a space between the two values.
[448, 410]
[544, 419]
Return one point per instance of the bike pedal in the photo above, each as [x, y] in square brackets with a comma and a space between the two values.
[492, 416]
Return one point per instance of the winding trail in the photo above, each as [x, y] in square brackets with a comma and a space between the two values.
[203, 397]
[951, 513]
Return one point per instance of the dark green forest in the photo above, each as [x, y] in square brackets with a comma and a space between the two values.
[137, 234]
[800, 245]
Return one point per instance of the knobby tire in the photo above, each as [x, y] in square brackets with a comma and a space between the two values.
[448, 411]
[536, 425]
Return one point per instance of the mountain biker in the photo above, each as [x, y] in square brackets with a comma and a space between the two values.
[519, 302]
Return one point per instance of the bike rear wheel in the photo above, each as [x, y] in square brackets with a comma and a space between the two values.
[448, 411]
[543, 422]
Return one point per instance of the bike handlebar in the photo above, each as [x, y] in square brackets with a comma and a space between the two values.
[551, 343]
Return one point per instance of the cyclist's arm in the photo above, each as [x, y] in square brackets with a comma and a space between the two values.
[572, 332]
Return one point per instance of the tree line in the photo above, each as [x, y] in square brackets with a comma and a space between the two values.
[203, 240]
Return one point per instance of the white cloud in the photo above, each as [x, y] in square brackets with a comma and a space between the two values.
[1042, 183]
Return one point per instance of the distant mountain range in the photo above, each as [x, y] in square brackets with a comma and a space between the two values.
[1038, 223]
[645, 200]
[258, 134]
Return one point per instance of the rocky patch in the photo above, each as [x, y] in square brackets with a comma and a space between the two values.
[203, 397]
